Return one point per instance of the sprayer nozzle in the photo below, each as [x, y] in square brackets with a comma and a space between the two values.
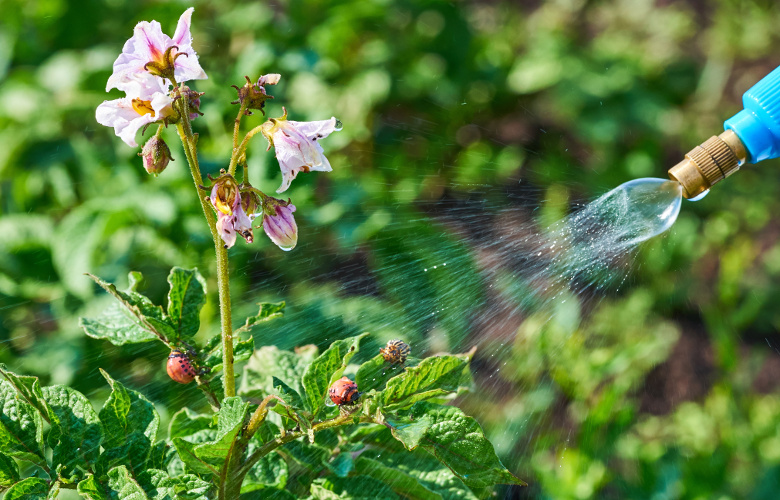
[709, 163]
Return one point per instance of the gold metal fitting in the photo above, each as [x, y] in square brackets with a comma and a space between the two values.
[709, 163]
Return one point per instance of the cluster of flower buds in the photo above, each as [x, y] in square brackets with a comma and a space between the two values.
[237, 205]
[151, 71]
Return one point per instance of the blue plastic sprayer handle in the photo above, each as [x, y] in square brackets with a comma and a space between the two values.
[758, 125]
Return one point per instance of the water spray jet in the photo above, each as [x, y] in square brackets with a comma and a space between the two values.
[751, 136]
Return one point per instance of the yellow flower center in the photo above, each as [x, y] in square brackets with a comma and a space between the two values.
[143, 107]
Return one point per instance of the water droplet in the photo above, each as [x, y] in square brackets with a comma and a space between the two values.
[338, 126]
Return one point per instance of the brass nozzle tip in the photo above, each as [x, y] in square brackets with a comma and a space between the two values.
[709, 163]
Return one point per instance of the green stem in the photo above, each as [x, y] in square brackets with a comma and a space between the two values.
[188, 141]
[237, 152]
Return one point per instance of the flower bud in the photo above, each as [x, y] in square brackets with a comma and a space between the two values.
[156, 155]
[253, 95]
[279, 223]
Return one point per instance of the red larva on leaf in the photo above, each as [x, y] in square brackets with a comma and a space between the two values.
[344, 392]
[179, 367]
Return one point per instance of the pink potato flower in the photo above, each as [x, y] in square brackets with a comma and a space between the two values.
[146, 102]
[297, 145]
[149, 44]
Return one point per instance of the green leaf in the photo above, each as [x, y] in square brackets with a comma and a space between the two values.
[456, 440]
[129, 423]
[374, 373]
[30, 389]
[423, 467]
[186, 297]
[32, 488]
[400, 482]
[269, 471]
[268, 311]
[91, 489]
[117, 325]
[311, 456]
[270, 362]
[76, 431]
[356, 487]
[158, 485]
[326, 369]
[242, 350]
[186, 422]
[21, 426]
[208, 457]
[158, 456]
[9, 472]
[147, 315]
[433, 377]
[290, 395]
[124, 486]
[342, 465]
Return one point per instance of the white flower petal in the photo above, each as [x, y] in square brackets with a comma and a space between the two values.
[120, 114]
[316, 130]
[182, 36]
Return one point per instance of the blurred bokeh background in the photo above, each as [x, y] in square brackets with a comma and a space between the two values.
[462, 121]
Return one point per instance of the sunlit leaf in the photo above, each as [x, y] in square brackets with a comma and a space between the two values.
[32, 488]
[456, 440]
[21, 426]
[9, 472]
[433, 377]
[268, 311]
[326, 369]
[129, 423]
[76, 434]
[186, 297]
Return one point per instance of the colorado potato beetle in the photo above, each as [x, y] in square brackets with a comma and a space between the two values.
[344, 392]
[179, 367]
[395, 352]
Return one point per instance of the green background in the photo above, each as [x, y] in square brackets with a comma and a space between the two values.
[462, 122]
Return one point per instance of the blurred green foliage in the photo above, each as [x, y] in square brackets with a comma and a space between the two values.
[460, 119]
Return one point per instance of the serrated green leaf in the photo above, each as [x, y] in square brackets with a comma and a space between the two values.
[423, 467]
[32, 488]
[186, 422]
[311, 456]
[186, 297]
[149, 316]
[129, 422]
[433, 377]
[208, 457]
[400, 482]
[124, 486]
[374, 373]
[270, 362]
[158, 485]
[76, 434]
[290, 396]
[9, 472]
[117, 325]
[21, 426]
[356, 487]
[269, 472]
[456, 440]
[268, 311]
[29, 389]
[158, 456]
[91, 489]
[326, 369]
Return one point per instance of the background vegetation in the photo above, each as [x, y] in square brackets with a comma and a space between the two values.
[461, 120]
